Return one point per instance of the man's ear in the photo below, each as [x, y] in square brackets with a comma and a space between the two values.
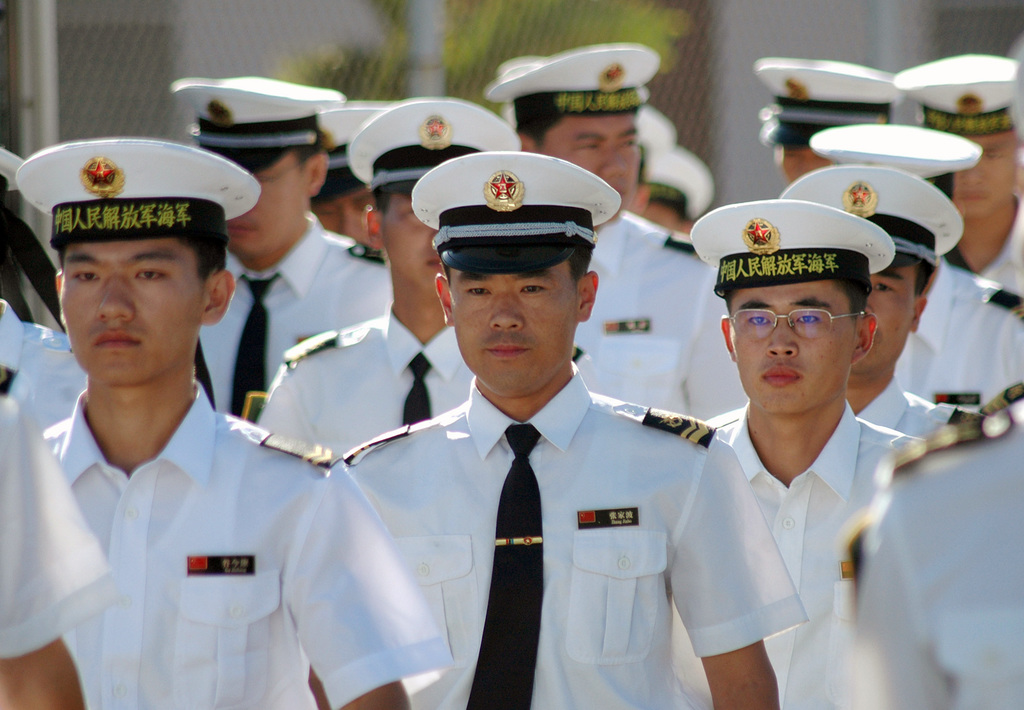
[727, 334]
[586, 288]
[220, 287]
[371, 223]
[444, 294]
[316, 173]
[865, 336]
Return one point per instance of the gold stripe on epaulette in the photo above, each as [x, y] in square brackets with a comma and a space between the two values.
[689, 428]
[1004, 399]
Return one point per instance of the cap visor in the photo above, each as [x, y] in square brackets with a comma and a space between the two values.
[505, 259]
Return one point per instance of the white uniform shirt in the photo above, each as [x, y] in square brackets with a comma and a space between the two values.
[47, 379]
[321, 287]
[963, 345]
[53, 574]
[325, 584]
[344, 395]
[655, 334]
[940, 617]
[905, 412]
[810, 661]
[608, 591]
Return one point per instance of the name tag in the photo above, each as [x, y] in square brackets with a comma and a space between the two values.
[221, 564]
[968, 398]
[620, 327]
[611, 518]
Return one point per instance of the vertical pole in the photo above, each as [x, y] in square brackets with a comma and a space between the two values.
[425, 20]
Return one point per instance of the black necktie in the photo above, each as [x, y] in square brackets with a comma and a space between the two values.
[508, 651]
[250, 364]
[417, 402]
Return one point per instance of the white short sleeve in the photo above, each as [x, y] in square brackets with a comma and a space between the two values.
[53, 573]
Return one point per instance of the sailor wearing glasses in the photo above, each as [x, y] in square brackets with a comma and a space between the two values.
[795, 277]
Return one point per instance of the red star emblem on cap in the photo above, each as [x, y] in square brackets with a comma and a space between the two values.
[101, 173]
[758, 233]
[502, 188]
[435, 127]
[859, 194]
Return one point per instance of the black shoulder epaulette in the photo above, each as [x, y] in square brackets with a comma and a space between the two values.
[1004, 399]
[361, 251]
[358, 452]
[967, 431]
[312, 344]
[679, 244]
[689, 428]
[1008, 300]
[319, 456]
[7, 378]
[577, 353]
[960, 416]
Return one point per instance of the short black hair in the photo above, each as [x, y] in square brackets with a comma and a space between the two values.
[854, 291]
[537, 128]
[921, 276]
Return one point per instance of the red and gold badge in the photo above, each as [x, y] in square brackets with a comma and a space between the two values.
[504, 192]
[102, 177]
[797, 90]
[611, 78]
[220, 114]
[969, 104]
[860, 199]
[761, 237]
[435, 133]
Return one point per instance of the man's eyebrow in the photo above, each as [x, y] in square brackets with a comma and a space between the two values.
[752, 303]
[153, 255]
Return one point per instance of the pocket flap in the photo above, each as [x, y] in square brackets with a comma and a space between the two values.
[981, 642]
[436, 558]
[620, 552]
[230, 601]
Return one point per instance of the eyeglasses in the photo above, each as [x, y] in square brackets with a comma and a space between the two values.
[758, 324]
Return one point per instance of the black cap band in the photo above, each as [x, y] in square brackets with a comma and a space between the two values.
[137, 218]
[979, 124]
[535, 107]
[787, 266]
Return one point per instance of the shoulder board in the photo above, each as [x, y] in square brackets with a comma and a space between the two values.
[688, 428]
[7, 378]
[312, 344]
[577, 353]
[356, 454]
[959, 416]
[1008, 300]
[361, 251]
[967, 431]
[679, 244]
[319, 456]
[1004, 399]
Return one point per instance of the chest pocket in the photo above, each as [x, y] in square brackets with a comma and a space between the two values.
[982, 651]
[616, 593]
[222, 648]
[840, 638]
[442, 564]
[638, 355]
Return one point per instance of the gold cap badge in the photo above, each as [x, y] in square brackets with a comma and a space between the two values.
[969, 104]
[612, 78]
[860, 199]
[328, 140]
[220, 114]
[797, 90]
[761, 237]
[102, 177]
[435, 133]
[504, 192]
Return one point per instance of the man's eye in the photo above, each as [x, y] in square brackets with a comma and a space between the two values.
[758, 319]
[808, 318]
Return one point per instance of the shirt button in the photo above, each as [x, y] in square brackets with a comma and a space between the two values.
[120, 690]
[624, 562]
[131, 513]
[125, 602]
[788, 523]
[237, 610]
[423, 570]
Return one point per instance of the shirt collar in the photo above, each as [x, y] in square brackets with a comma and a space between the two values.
[935, 318]
[190, 449]
[835, 465]
[887, 408]
[442, 350]
[611, 245]
[12, 335]
[298, 266]
[557, 422]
